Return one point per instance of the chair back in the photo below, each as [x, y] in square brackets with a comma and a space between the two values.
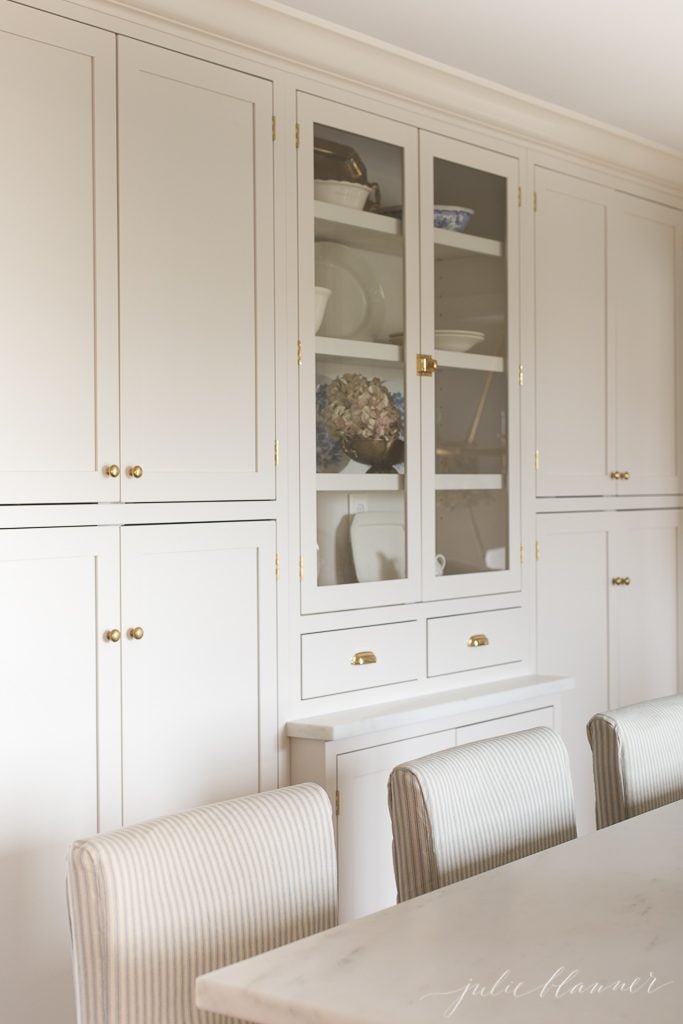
[155, 905]
[462, 811]
[637, 758]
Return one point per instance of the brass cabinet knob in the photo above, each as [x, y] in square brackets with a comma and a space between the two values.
[478, 640]
[135, 471]
[136, 633]
[112, 470]
[113, 634]
[364, 658]
[626, 475]
[621, 581]
[626, 581]
[615, 475]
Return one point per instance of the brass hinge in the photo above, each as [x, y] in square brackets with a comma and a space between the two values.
[538, 551]
[299, 353]
[274, 127]
[537, 460]
[297, 135]
[535, 202]
[301, 567]
[277, 453]
[521, 553]
[519, 195]
[521, 375]
[277, 567]
[336, 802]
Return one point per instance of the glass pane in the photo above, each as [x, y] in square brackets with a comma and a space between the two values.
[470, 430]
[360, 366]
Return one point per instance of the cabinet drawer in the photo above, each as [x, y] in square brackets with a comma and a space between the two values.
[503, 726]
[333, 662]
[457, 643]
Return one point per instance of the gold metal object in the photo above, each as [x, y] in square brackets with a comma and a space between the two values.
[301, 568]
[521, 553]
[621, 581]
[615, 475]
[274, 127]
[136, 633]
[277, 567]
[535, 202]
[521, 375]
[277, 453]
[519, 195]
[113, 470]
[299, 353]
[297, 135]
[626, 475]
[538, 550]
[626, 581]
[426, 365]
[364, 658]
[114, 635]
[135, 471]
[336, 802]
[537, 460]
[478, 640]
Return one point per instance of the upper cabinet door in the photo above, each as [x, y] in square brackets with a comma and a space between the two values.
[646, 255]
[470, 400]
[196, 237]
[358, 326]
[573, 434]
[58, 292]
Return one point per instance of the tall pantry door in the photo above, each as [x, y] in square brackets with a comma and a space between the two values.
[58, 291]
[59, 688]
[196, 224]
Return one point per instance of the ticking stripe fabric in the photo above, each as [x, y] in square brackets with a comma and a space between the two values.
[637, 758]
[466, 810]
[155, 905]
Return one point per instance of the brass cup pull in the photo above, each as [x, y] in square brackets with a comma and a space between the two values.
[478, 640]
[112, 470]
[136, 633]
[364, 658]
[114, 635]
[135, 471]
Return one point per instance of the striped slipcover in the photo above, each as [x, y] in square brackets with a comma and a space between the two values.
[466, 810]
[637, 758]
[155, 905]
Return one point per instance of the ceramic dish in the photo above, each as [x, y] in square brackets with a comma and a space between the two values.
[378, 546]
[342, 193]
[452, 218]
[457, 341]
[357, 305]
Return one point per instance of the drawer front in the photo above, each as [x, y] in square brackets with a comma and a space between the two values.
[355, 659]
[458, 643]
[503, 726]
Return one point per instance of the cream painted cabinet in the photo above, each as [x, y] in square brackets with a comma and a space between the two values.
[608, 611]
[607, 295]
[58, 260]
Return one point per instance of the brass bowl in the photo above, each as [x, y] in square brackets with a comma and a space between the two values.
[380, 456]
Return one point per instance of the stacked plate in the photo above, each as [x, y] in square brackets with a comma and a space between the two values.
[457, 341]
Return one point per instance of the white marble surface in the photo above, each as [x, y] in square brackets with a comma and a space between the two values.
[608, 906]
[339, 725]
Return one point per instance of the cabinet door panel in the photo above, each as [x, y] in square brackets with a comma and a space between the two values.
[196, 221]
[366, 870]
[58, 299]
[647, 255]
[571, 336]
[58, 593]
[198, 687]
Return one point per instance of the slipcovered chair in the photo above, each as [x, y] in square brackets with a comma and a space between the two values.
[155, 905]
[463, 811]
[637, 758]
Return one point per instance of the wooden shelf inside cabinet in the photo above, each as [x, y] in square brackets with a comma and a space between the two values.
[359, 481]
[453, 245]
[357, 228]
[469, 361]
[358, 351]
[468, 482]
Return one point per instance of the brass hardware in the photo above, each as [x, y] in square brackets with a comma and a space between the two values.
[538, 551]
[521, 375]
[519, 195]
[299, 353]
[277, 453]
[426, 365]
[297, 135]
[136, 633]
[478, 640]
[336, 802]
[537, 460]
[621, 581]
[626, 581]
[615, 475]
[274, 127]
[301, 568]
[521, 553]
[135, 471]
[626, 476]
[364, 658]
[535, 202]
[114, 635]
[112, 471]
[277, 567]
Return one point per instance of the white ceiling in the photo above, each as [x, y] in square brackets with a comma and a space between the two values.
[618, 61]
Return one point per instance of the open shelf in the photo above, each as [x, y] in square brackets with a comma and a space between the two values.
[358, 351]
[453, 245]
[358, 228]
[469, 361]
[468, 482]
[359, 481]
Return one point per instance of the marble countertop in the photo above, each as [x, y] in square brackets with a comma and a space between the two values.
[591, 931]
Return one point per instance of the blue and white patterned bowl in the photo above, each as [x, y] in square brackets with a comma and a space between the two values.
[452, 218]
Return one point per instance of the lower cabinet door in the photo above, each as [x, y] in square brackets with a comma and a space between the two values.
[198, 701]
[58, 596]
[366, 870]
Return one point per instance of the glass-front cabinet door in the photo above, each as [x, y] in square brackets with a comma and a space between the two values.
[358, 330]
[469, 365]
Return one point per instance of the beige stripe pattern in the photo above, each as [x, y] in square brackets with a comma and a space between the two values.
[463, 811]
[637, 758]
[155, 905]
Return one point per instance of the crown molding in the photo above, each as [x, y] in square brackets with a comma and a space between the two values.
[296, 42]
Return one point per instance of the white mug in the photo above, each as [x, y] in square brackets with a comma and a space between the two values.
[439, 565]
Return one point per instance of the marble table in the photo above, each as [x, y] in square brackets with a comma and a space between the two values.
[589, 931]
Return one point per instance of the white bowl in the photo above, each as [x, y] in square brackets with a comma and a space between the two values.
[322, 297]
[457, 341]
[343, 193]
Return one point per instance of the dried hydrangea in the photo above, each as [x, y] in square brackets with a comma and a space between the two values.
[359, 407]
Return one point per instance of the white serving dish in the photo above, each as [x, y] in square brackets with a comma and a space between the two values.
[342, 193]
[357, 306]
[457, 341]
[378, 546]
[322, 297]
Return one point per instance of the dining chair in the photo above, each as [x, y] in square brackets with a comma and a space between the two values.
[465, 810]
[155, 905]
[637, 758]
